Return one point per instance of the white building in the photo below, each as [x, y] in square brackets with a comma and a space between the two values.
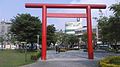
[4, 30]
[73, 27]
[4, 27]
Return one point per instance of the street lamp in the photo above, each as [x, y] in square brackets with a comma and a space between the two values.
[25, 49]
[78, 19]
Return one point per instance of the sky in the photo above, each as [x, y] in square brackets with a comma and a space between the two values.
[10, 8]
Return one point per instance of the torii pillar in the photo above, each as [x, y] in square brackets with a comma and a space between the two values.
[88, 8]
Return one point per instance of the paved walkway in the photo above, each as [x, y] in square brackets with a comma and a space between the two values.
[74, 58]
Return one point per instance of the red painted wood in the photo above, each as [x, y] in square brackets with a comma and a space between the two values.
[44, 31]
[88, 8]
[39, 5]
[89, 33]
[66, 15]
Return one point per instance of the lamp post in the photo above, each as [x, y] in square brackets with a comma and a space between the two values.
[25, 49]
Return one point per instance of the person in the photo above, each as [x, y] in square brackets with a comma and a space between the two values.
[57, 49]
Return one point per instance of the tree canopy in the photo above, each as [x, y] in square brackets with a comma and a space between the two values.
[110, 26]
[51, 35]
[26, 27]
[84, 37]
[66, 39]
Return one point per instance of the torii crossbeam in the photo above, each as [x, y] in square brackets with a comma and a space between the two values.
[88, 8]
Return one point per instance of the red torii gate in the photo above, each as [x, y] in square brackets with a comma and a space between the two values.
[88, 8]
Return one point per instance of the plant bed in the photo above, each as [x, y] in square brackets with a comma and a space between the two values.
[36, 56]
[113, 61]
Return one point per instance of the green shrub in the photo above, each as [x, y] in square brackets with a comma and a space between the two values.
[36, 56]
[33, 57]
[113, 61]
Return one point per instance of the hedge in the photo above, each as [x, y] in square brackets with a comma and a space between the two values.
[113, 61]
[36, 56]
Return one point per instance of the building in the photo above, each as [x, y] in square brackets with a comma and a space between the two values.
[73, 27]
[5, 36]
[4, 27]
[76, 28]
[84, 30]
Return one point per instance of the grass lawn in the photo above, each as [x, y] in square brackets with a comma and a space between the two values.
[13, 58]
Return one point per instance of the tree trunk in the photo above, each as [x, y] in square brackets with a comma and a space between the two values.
[116, 49]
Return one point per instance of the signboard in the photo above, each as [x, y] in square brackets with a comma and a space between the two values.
[73, 25]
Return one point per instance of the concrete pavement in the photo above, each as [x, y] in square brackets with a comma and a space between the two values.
[74, 58]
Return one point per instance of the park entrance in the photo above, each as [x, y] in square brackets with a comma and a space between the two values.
[86, 15]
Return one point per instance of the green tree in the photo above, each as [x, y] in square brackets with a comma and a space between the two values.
[51, 35]
[115, 24]
[116, 9]
[13, 38]
[26, 27]
[103, 26]
[66, 39]
[59, 37]
[73, 40]
[109, 27]
[85, 37]
[1, 41]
